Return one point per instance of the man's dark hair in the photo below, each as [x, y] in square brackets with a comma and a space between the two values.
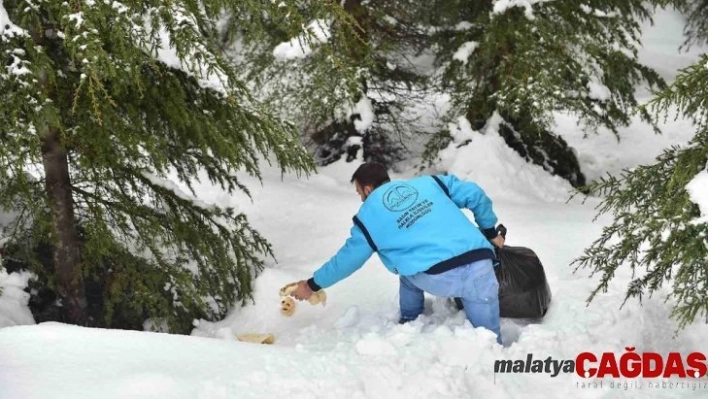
[371, 174]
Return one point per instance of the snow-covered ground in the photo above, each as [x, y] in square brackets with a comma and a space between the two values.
[353, 347]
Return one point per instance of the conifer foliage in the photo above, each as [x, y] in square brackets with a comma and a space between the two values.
[659, 229]
[100, 101]
[346, 79]
[696, 30]
[527, 60]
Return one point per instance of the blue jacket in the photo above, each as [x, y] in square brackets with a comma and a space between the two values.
[416, 226]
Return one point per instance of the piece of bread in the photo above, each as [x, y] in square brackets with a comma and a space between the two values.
[288, 289]
[287, 306]
[318, 297]
[267, 339]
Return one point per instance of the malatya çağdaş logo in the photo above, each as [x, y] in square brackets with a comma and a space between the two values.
[630, 364]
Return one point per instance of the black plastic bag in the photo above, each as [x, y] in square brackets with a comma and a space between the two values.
[523, 288]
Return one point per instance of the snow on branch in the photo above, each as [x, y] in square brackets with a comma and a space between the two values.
[171, 186]
[501, 6]
[464, 52]
[171, 34]
[597, 90]
[317, 32]
[196, 59]
[597, 13]
[7, 28]
[698, 193]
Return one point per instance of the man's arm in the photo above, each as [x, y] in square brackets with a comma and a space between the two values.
[469, 195]
[350, 258]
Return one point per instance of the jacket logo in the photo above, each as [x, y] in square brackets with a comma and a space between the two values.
[400, 197]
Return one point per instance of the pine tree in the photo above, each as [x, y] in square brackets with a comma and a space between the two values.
[656, 229]
[696, 30]
[356, 83]
[527, 60]
[101, 103]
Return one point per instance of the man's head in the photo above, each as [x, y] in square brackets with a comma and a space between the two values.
[369, 176]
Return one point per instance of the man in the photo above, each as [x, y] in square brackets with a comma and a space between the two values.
[420, 233]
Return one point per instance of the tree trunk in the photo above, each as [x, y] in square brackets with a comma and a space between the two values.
[70, 284]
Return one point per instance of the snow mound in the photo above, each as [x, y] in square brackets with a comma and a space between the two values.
[484, 157]
[13, 299]
[117, 364]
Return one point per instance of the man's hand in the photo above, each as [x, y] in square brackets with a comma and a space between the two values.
[302, 292]
[498, 241]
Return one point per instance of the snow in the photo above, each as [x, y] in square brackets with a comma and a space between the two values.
[4, 18]
[501, 6]
[317, 32]
[662, 40]
[487, 160]
[197, 61]
[14, 310]
[365, 110]
[7, 28]
[353, 347]
[13, 299]
[17, 67]
[77, 19]
[464, 52]
[698, 192]
[462, 26]
[354, 140]
[598, 91]
[391, 20]
[596, 12]
[170, 185]
[120, 7]
[637, 145]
